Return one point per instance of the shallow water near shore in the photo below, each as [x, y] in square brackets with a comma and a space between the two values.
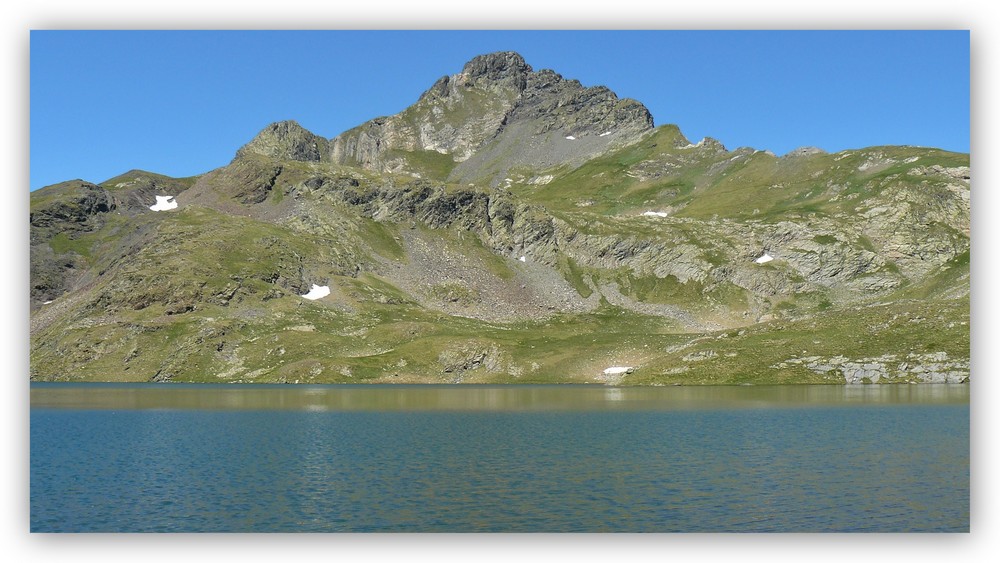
[452, 458]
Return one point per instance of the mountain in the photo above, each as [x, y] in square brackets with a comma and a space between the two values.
[510, 226]
[497, 115]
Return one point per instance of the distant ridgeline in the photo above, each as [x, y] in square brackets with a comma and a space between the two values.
[511, 226]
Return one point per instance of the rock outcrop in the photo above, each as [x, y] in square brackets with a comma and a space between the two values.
[496, 115]
[287, 140]
[890, 368]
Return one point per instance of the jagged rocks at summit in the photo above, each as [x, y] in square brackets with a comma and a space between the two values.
[287, 140]
[497, 115]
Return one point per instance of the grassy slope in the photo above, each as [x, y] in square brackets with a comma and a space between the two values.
[136, 177]
[703, 183]
[749, 355]
[366, 330]
[369, 330]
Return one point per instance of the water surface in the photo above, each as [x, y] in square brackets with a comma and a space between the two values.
[206, 458]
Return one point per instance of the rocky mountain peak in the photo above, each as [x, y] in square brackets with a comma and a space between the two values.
[505, 68]
[286, 140]
[495, 115]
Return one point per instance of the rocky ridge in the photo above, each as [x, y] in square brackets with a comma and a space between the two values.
[497, 115]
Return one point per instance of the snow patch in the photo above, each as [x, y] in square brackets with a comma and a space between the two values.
[541, 180]
[617, 370]
[46, 302]
[164, 202]
[570, 138]
[765, 258]
[317, 291]
[605, 134]
[523, 259]
[654, 214]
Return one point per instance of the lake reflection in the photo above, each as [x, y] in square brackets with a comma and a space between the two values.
[477, 397]
[442, 458]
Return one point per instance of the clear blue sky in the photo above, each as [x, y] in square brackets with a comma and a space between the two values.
[182, 103]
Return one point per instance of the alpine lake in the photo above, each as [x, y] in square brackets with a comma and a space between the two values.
[517, 458]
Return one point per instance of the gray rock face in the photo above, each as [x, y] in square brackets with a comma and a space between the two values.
[556, 122]
[456, 116]
[78, 209]
[722, 253]
[75, 208]
[498, 106]
[917, 368]
[52, 274]
[287, 140]
[461, 358]
[503, 70]
[921, 229]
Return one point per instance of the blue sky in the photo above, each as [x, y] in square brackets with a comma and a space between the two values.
[182, 103]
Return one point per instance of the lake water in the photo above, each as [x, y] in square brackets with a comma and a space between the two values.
[442, 458]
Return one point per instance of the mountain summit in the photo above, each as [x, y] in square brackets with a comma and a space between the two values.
[510, 226]
[497, 114]
[287, 140]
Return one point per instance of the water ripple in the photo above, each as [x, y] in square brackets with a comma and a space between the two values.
[852, 467]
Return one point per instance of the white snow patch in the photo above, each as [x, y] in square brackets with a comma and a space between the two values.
[654, 214]
[605, 134]
[317, 291]
[46, 302]
[540, 180]
[570, 138]
[765, 258]
[164, 202]
[617, 370]
[523, 259]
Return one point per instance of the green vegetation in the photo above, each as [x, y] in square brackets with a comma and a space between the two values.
[382, 238]
[140, 178]
[62, 243]
[574, 275]
[429, 164]
[870, 247]
[750, 355]
[605, 181]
